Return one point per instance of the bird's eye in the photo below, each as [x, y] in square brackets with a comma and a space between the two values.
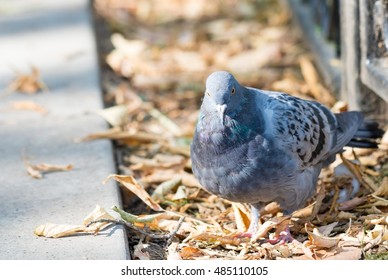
[233, 91]
[207, 93]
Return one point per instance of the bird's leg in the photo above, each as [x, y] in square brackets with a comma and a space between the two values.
[256, 230]
[255, 220]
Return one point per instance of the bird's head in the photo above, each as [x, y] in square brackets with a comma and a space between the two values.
[223, 94]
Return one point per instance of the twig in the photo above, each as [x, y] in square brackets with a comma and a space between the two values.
[131, 226]
[318, 203]
[335, 198]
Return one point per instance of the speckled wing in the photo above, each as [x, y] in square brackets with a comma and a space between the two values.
[308, 129]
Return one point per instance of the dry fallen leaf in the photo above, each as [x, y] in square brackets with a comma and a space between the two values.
[116, 115]
[346, 253]
[166, 122]
[131, 184]
[312, 79]
[29, 105]
[382, 190]
[58, 230]
[188, 253]
[34, 173]
[267, 226]
[116, 133]
[242, 217]
[63, 230]
[37, 170]
[319, 240]
[342, 215]
[351, 204]
[379, 232]
[215, 239]
[377, 220]
[165, 187]
[180, 193]
[172, 253]
[355, 169]
[27, 83]
[97, 214]
[140, 251]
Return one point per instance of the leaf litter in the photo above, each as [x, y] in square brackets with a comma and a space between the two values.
[38, 170]
[27, 83]
[157, 56]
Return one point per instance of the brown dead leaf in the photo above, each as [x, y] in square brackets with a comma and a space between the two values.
[319, 240]
[346, 253]
[377, 220]
[271, 208]
[191, 226]
[241, 216]
[141, 251]
[339, 107]
[184, 151]
[267, 226]
[165, 187]
[172, 253]
[36, 171]
[327, 229]
[356, 171]
[131, 184]
[188, 253]
[342, 215]
[62, 230]
[189, 180]
[166, 122]
[29, 105]
[251, 60]
[384, 140]
[374, 237]
[27, 83]
[379, 232]
[116, 133]
[214, 239]
[180, 193]
[97, 214]
[160, 176]
[351, 204]
[312, 79]
[304, 212]
[382, 190]
[57, 230]
[115, 115]
[159, 161]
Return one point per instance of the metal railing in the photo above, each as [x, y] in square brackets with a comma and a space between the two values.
[349, 40]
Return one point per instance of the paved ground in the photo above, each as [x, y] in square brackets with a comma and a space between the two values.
[56, 37]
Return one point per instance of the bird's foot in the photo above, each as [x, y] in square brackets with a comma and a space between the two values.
[283, 238]
[252, 230]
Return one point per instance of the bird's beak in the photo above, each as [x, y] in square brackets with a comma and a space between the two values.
[221, 111]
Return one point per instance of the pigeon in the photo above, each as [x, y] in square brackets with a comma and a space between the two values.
[256, 146]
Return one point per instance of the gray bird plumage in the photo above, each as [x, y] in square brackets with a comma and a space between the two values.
[257, 146]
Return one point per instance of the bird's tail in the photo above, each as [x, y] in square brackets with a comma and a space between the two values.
[367, 135]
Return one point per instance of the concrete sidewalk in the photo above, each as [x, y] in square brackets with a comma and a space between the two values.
[56, 37]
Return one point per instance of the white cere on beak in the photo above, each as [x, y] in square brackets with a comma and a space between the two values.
[221, 111]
